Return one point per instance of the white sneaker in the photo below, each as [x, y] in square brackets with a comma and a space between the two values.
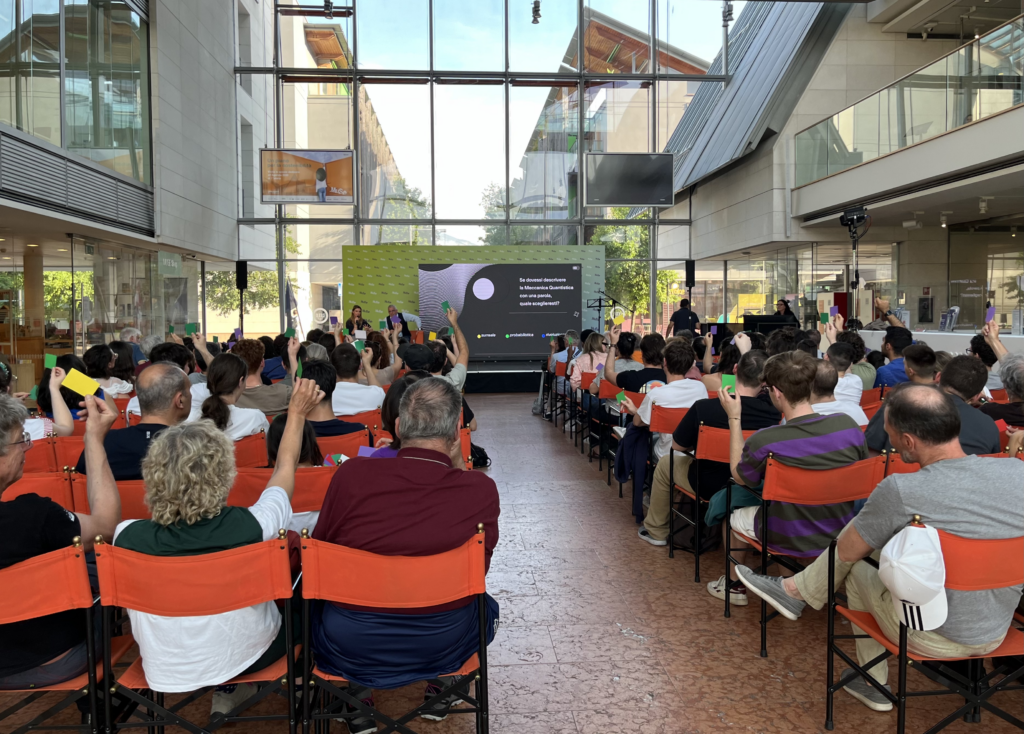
[645, 535]
[225, 702]
[736, 597]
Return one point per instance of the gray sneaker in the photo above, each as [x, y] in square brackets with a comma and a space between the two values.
[770, 589]
[866, 693]
[645, 534]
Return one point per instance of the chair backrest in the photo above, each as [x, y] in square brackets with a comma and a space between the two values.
[870, 410]
[1004, 440]
[349, 444]
[42, 457]
[132, 419]
[560, 369]
[194, 586]
[636, 397]
[68, 449]
[252, 450]
[467, 447]
[1000, 396]
[855, 481]
[132, 493]
[713, 394]
[896, 465]
[78, 428]
[975, 565]
[587, 379]
[871, 397]
[369, 418]
[311, 485]
[607, 390]
[666, 420]
[348, 576]
[122, 404]
[713, 444]
[53, 582]
[54, 485]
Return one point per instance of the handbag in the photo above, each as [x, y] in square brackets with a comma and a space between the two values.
[479, 457]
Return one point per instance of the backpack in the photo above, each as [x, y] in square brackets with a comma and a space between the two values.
[479, 457]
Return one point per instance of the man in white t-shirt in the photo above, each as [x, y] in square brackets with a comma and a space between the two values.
[849, 387]
[678, 392]
[350, 397]
[824, 401]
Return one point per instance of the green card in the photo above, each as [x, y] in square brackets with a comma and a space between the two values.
[289, 333]
[445, 306]
[344, 332]
[620, 397]
[49, 361]
[383, 324]
[34, 392]
[170, 328]
[191, 329]
[298, 369]
[214, 339]
[359, 346]
[824, 317]
[729, 381]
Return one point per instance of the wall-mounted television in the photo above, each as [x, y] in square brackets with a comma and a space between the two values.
[629, 179]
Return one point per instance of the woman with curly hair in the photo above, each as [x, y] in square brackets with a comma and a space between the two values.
[188, 471]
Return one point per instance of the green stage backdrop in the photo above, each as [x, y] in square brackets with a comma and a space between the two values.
[374, 277]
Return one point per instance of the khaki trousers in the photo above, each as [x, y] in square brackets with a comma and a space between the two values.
[657, 518]
[866, 592]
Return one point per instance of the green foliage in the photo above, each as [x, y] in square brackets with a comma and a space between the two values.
[629, 281]
[404, 202]
[263, 292]
[58, 294]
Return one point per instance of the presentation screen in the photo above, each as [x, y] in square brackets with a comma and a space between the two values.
[306, 176]
[629, 179]
[506, 311]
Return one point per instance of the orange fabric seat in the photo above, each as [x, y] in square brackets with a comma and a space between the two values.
[68, 449]
[311, 484]
[251, 451]
[369, 418]
[348, 444]
[42, 457]
[54, 485]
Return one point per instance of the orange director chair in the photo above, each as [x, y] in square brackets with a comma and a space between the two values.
[193, 586]
[335, 573]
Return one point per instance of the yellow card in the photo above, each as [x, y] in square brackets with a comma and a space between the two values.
[79, 383]
[618, 320]
[432, 336]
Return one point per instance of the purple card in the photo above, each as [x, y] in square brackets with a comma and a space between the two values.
[599, 367]
[712, 350]
[365, 451]
[834, 311]
[991, 314]
[714, 329]
[334, 320]
[395, 320]
[238, 334]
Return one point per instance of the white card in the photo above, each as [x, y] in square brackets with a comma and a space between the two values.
[360, 334]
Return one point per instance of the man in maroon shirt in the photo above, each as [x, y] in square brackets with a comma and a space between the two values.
[417, 504]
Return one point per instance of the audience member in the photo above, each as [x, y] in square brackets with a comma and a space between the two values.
[132, 336]
[924, 426]
[919, 362]
[388, 448]
[419, 503]
[457, 376]
[807, 346]
[270, 399]
[327, 341]
[860, 366]
[350, 397]
[981, 349]
[756, 414]
[651, 352]
[356, 322]
[849, 387]
[146, 345]
[165, 399]
[206, 352]
[99, 365]
[312, 336]
[316, 352]
[226, 382]
[727, 362]
[48, 650]
[1011, 370]
[189, 471]
[824, 400]
[309, 454]
[39, 428]
[896, 339]
[273, 367]
[386, 365]
[124, 364]
[322, 417]
[591, 355]
[941, 360]
[782, 340]
[876, 359]
[806, 441]
[45, 398]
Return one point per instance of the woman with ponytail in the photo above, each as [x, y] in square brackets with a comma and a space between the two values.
[226, 381]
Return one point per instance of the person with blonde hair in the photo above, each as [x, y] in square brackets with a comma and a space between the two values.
[189, 471]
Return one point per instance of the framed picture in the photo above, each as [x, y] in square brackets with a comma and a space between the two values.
[925, 312]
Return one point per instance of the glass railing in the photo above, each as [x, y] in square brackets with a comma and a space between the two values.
[972, 83]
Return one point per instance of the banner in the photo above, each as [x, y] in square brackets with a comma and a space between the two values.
[306, 176]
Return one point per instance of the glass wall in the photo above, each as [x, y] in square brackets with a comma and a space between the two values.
[986, 269]
[98, 50]
[471, 125]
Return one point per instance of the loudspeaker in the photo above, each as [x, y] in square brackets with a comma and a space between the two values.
[242, 275]
[691, 273]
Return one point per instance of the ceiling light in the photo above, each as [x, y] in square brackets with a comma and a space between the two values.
[1, 239]
[912, 224]
[6, 258]
[1013, 231]
[61, 249]
[942, 218]
[536, 12]
[30, 245]
[983, 204]
[111, 257]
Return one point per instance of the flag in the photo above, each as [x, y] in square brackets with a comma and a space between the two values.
[291, 307]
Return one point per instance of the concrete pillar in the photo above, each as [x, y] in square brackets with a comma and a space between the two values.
[35, 305]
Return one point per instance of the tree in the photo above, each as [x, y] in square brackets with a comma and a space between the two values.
[263, 291]
[57, 290]
[404, 202]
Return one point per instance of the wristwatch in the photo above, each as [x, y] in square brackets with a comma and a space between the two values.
[890, 313]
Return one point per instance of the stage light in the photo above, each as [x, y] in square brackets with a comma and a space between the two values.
[536, 12]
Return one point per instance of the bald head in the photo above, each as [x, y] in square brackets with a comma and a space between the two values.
[924, 412]
[164, 393]
[826, 377]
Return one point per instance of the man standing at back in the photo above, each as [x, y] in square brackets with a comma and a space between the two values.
[683, 320]
[895, 341]
[417, 504]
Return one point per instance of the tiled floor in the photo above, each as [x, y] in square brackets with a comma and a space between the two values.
[603, 633]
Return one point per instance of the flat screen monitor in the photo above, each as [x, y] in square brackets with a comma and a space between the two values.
[766, 324]
[629, 179]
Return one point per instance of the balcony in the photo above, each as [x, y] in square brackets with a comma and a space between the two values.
[976, 81]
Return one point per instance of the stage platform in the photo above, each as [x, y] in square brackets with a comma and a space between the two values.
[504, 377]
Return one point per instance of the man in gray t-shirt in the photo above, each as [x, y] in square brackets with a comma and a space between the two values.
[968, 496]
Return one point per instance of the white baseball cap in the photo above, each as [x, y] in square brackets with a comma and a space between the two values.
[912, 568]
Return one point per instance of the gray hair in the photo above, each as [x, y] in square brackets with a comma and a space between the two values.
[12, 416]
[157, 385]
[317, 351]
[430, 408]
[129, 332]
[148, 343]
[573, 334]
[1011, 370]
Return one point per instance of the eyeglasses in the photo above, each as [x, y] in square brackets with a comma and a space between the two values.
[25, 442]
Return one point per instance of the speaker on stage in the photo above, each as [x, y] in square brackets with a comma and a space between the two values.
[242, 275]
[691, 273]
